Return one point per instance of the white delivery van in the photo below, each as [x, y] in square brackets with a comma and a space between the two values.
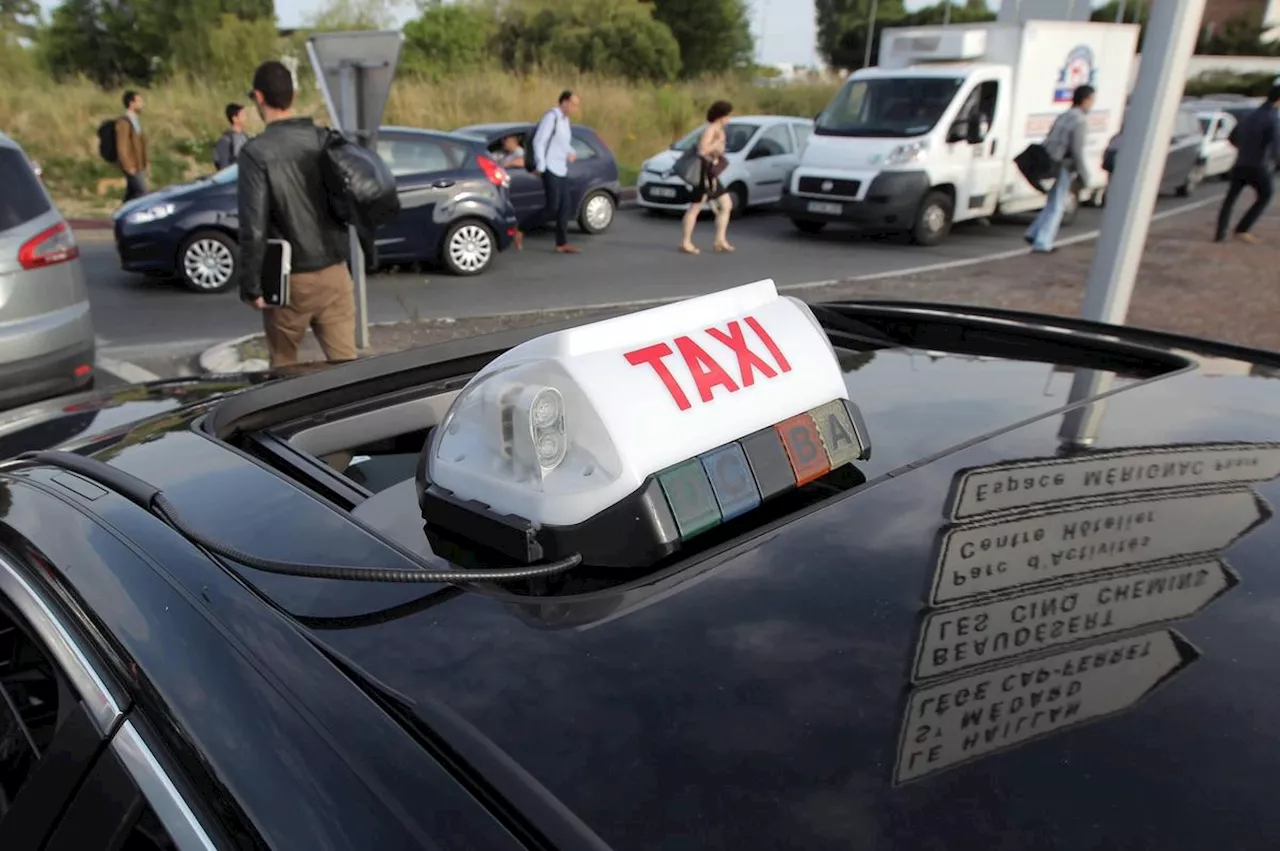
[928, 137]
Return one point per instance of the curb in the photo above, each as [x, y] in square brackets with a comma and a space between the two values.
[223, 359]
[627, 196]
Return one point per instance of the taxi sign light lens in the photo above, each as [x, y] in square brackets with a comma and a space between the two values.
[839, 437]
[731, 480]
[688, 492]
[803, 442]
[769, 462]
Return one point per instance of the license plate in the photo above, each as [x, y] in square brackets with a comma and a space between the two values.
[662, 192]
[825, 207]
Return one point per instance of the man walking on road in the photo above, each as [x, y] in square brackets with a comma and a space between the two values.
[282, 196]
[131, 147]
[1066, 145]
[552, 152]
[1257, 140]
[228, 146]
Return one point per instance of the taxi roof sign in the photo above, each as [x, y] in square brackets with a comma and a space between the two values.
[721, 401]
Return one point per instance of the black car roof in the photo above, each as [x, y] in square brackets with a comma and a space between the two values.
[500, 129]
[888, 668]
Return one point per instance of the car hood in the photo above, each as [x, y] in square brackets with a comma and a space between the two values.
[86, 418]
[169, 193]
[1033, 627]
[848, 152]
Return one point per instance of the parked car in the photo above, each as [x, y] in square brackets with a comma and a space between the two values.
[1217, 153]
[593, 175]
[761, 150]
[46, 332]
[1184, 169]
[455, 212]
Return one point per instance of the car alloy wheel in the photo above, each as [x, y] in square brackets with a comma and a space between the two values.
[208, 264]
[469, 248]
[597, 212]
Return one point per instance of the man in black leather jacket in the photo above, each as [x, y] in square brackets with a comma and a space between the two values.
[282, 196]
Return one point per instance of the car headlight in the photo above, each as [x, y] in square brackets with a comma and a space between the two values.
[911, 152]
[150, 214]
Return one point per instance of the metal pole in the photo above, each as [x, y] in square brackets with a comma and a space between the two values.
[1148, 126]
[871, 34]
[1080, 425]
[946, 13]
[348, 81]
[1120, 12]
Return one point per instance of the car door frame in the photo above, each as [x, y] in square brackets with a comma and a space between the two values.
[414, 234]
[767, 175]
[985, 161]
[99, 734]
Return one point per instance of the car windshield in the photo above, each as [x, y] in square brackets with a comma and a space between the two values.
[737, 135]
[887, 106]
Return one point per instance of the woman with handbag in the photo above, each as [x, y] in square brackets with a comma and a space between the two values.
[710, 153]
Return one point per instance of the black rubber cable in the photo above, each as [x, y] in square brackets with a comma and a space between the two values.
[165, 509]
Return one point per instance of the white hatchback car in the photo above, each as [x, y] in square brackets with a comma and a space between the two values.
[1217, 154]
[762, 151]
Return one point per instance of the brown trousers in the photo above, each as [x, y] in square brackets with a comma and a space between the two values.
[323, 301]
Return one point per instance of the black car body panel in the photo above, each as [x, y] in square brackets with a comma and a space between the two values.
[439, 179]
[887, 668]
[594, 169]
[1184, 152]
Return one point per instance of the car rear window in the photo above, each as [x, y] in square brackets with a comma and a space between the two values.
[23, 199]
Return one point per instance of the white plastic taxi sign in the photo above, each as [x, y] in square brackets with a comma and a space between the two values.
[1031, 549]
[965, 719]
[1023, 484]
[956, 639]
[565, 425]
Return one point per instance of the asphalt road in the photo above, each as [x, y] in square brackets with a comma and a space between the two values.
[635, 260]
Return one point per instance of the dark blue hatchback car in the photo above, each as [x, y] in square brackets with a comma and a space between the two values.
[456, 211]
[593, 175]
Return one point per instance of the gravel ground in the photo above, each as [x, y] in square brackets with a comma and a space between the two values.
[1186, 283]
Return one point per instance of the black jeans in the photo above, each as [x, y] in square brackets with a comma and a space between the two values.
[1261, 182]
[559, 205]
[135, 186]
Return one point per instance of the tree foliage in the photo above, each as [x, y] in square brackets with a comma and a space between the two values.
[619, 37]
[843, 25]
[338, 15]
[448, 39]
[20, 19]
[714, 35]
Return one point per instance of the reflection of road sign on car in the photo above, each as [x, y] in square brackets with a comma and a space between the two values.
[1100, 475]
[1049, 545]
[1078, 70]
[959, 638]
[961, 720]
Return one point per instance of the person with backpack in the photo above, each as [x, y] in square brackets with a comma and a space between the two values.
[1065, 146]
[121, 142]
[1257, 141]
[228, 146]
[283, 195]
[551, 154]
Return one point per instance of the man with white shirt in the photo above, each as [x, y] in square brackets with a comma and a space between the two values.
[552, 152]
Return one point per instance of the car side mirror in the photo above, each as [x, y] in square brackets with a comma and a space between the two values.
[976, 133]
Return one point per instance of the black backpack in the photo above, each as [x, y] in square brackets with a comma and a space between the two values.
[107, 141]
[362, 190]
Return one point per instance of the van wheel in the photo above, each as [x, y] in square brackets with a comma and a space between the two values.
[808, 226]
[1072, 209]
[1194, 178]
[933, 222]
[468, 247]
[207, 262]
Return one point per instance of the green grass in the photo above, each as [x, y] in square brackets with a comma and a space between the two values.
[56, 122]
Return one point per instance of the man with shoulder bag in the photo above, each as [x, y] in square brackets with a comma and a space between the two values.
[1062, 155]
[283, 195]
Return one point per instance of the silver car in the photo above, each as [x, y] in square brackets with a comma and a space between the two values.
[46, 334]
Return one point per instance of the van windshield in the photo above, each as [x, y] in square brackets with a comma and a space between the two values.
[888, 106]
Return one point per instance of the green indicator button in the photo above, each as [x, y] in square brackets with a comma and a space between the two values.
[838, 436]
[689, 494]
